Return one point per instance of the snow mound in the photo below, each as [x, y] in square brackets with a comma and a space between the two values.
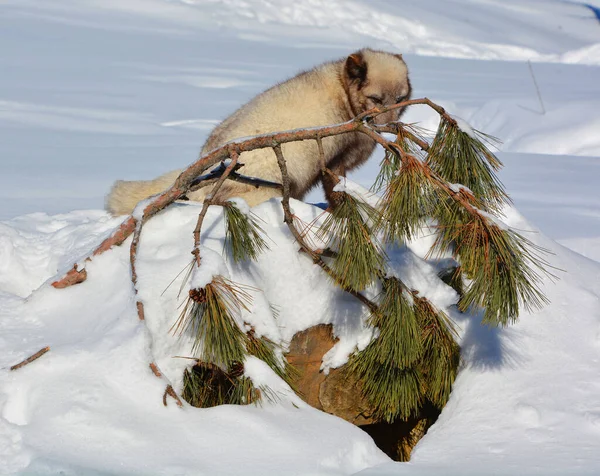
[93, 405]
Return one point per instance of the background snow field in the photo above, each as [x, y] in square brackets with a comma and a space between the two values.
[97, 90]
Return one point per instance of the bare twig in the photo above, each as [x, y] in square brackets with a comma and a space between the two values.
[326, 253]
[209, 200]
[155, 370]
[169, 389]
[170, 392]
[289, 221]
[132, 262]
[537, 88]
[321, 154]
[133, 252]
[30, 359]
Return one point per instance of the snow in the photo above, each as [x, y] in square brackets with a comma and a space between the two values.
[138, 211]
[357, 191]
[241, 205]
[211, 266]
[93, 91]
[94, 395]
[464, 126]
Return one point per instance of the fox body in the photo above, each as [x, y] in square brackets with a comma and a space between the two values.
[331, 93]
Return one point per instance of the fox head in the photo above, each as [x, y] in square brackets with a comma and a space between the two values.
[375, 79]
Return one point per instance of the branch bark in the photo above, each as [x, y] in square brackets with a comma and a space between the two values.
[209, 200]
[169, 391]
[30, 359]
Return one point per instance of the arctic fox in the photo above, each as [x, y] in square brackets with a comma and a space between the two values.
[331, 93]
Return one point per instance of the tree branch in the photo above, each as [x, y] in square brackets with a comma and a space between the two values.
[376, 111]
[30, 359]
[234, 176]
[209, 200]
[188, 176]
[169, 389]
[289, 221]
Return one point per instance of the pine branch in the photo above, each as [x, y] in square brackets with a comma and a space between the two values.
[505, 268]
[182, 184]
[414, 356]
[409, 199]
[359, 258]
[460, 157]
[243, 234]
[289, 221]
[208, 315]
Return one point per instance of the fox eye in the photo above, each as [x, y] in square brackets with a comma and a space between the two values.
[376, 99]
[399, 99]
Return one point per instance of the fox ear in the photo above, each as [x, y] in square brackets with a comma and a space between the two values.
[356, 67]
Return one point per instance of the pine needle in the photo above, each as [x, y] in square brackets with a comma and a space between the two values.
[390, 165]
[206, 385]
[243, 234]
[392, 391]
[359, 257]
[399, 333]
[505, 268]
[387, 368]
[388, 168]
[462, 158]
[208, 316]
[441, 357]
[408, 200]
[265, 349]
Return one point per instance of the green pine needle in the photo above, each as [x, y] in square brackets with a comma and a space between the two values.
[390, 165]
[393, 392]
[243, 234]
[208, 316]
[206, 385]
[462, 158]
[441, 357]
[387, 367]
[387, 170]
[265, 349]
[408, 200]
[359, 257]
[244, 392]
[504, 267]
[399, 333]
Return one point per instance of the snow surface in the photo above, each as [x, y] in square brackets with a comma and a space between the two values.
[97, 90]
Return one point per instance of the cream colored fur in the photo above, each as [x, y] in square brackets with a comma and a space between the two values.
[328, 94]
[125, 195]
